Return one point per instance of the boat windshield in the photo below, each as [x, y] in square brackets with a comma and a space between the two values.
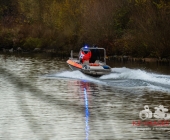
[97, 54]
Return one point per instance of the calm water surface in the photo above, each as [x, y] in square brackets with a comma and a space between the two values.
[42, 99]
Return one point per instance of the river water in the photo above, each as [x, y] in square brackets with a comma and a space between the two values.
[42, 99]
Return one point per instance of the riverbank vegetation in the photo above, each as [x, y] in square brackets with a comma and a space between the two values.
[139, 28]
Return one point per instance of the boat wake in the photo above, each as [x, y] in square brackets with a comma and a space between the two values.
[76, 75]
[137, 77]
[124, 78]
[126, 73]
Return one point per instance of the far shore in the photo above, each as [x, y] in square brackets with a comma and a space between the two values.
[123, 58]
[63, 54]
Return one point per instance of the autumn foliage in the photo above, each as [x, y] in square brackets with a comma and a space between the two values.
[124, 27]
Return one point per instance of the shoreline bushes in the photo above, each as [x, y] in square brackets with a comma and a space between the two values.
[139, 28]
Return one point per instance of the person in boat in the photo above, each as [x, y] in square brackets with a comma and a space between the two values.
[85, 54]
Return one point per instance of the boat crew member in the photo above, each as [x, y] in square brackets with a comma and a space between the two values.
[85, 54]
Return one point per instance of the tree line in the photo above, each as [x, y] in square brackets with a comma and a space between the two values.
[124, 27]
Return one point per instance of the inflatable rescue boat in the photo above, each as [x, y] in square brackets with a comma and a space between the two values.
[94, 66]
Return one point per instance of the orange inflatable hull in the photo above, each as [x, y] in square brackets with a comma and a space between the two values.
[72, 63]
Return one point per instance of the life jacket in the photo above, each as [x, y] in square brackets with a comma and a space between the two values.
[85, 56]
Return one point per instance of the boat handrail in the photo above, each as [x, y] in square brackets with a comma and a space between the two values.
[71, 54]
